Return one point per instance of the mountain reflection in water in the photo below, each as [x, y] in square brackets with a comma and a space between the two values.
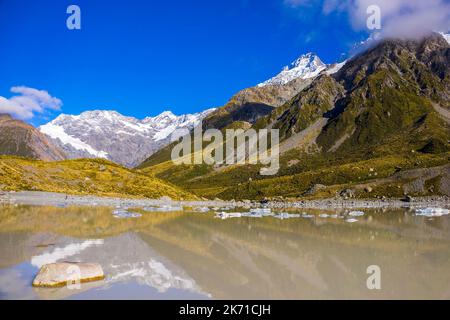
[187, 255]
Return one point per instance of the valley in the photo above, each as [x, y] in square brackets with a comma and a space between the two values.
[374, 127]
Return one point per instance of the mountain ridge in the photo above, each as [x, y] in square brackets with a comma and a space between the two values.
[378, 114]
[110, 135]
[18, 138]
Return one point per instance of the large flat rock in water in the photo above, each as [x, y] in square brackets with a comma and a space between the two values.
[61, 274]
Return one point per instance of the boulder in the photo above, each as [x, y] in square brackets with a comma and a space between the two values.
[314, 188]
[408, 198]
[61, 274]
[347, 194]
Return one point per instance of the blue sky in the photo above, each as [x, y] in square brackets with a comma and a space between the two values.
[143, 57]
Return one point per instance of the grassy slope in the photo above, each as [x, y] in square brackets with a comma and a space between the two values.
[84, 176]
[383, 121]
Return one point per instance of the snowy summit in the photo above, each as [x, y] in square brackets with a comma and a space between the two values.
[307, 66]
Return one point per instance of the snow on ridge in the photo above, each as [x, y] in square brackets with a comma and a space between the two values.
[336, 67]
[108, 134]
[446, 36]
[307, 66]
[57, 132]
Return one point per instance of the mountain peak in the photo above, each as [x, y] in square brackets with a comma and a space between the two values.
[109, 134]
[306, 66]
[446, 36]
[307, 59]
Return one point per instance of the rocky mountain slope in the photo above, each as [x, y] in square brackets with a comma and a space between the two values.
[21, 139]
[385, 111]
[249, 105]
[110, 135]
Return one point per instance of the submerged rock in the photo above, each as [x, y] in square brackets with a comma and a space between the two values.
[66, 273]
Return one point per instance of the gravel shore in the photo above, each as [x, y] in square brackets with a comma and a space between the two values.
[60, 200]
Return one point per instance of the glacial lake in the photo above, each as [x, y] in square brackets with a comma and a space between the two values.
[196, 255]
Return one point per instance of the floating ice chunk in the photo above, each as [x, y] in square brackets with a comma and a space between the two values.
[228, 215]
[356, 214]
[266, 212]
[122, 214]
[201, 209]
[165, 208]
[324, 215]
[307, 216]
[284, 215]
[226, 208]
[351, 220]
[432, 212]
[252, 214]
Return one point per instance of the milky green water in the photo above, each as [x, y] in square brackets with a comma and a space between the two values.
[185, 255]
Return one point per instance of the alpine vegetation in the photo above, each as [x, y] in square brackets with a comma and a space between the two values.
[238, 146]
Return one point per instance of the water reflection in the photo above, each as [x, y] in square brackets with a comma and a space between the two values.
[192, 255]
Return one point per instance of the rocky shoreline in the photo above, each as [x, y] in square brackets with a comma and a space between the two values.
[64, 200]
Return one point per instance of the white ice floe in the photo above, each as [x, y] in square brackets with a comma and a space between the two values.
[265, 212]
[163, 209]
[252, 215]
[284, 215]
[201, 209]
[228, 215]
[351, 220]
[356, 214]
[122, 214]
[224, 208]
[324, 215]
[432, 212]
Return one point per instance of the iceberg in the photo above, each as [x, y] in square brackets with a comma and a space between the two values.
[265, 212]
[284, 215]
[432, 212]
[228, 215]
[165, 208]
[356, 214]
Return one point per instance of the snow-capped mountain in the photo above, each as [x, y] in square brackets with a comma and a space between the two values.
[307, 66]
[110, 135]
[446, 36]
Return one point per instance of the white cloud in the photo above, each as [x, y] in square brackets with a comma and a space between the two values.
[28, 102]
[400, 18]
